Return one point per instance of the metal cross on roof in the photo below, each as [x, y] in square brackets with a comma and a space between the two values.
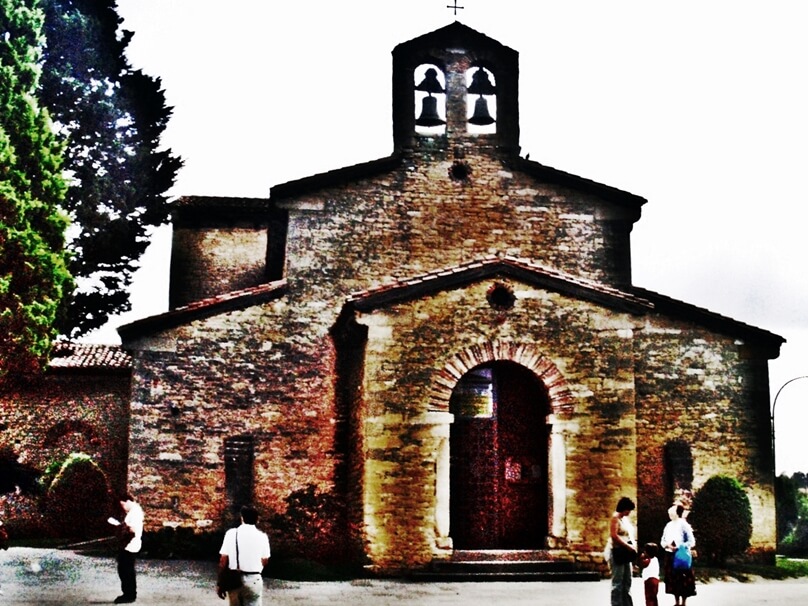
[454, 6]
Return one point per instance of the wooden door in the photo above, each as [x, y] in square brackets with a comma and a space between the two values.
[498, 486]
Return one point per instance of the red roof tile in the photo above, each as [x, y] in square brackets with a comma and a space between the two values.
[237, 299]
[407, 288]
[88, 356]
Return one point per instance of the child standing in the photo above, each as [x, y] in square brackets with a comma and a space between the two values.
[649, 563]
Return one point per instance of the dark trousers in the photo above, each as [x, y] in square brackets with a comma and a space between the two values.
[126, 571]
[651, 592]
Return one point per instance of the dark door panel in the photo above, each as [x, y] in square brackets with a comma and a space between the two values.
[499, 459]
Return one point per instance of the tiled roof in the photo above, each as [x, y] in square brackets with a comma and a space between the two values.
[204, 308]
[88, 356]
[347, 174]
[545, 174]
[548, 174]
[190, 211]
[220, 202]
[409, 288]
[715, 321]
[632, 300]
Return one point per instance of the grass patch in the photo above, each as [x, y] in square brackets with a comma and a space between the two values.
[785, 568]
[793, 568]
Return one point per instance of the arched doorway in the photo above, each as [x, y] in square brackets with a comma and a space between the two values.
[499, 459]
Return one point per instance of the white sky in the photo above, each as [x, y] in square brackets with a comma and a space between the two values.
[698, 106]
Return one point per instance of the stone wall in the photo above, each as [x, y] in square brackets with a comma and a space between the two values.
[707, 391]
[45, 420]
[419, 219]
[348, 406]
[405, 432]
[211, 261]
[237, 373]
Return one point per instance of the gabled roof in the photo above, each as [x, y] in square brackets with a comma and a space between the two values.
[633, 300]
[334, 177]
[547, 174]
[90, 357]
[407, 289]
[709, 319]
[544, 174]
[454, 34]
[205, 308]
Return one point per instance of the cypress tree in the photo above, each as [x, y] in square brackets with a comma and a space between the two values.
[34, 278]
[113, 117]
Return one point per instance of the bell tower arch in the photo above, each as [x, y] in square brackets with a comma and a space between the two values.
[480, 90]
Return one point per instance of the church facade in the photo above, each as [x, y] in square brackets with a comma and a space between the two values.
[444, 344]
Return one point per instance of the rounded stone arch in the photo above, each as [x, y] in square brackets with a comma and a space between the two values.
[524, 354]
[561, 403]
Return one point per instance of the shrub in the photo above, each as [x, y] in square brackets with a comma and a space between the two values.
[78, 500]
[312, 527]
[722, 519]
[787, 499]
[795, 542]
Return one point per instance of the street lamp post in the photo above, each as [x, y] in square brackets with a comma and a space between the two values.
[774, 404]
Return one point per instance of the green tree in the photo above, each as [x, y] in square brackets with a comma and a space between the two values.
[721, 517]
[787, 502]
[34, 278]
[113, 117]
[795, 543]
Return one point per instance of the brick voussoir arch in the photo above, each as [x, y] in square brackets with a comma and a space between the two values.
[63, 428]
[525, 354]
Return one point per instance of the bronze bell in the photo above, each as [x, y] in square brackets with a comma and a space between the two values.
[481, 116]
[429, 113]
[480, 84]
[430, 83]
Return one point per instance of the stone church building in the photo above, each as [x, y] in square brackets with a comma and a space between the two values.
[446, 342]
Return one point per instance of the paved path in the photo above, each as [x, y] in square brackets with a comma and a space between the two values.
[45, 577]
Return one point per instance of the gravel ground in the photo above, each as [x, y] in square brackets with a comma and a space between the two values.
[48, 577]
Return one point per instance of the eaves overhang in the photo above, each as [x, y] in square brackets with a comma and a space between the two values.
[204, 308]
[206, 211]
[340, 176]
[415, 287]
[547, 174]
[714, 321]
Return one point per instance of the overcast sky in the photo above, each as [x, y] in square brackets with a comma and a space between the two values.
[698, 106]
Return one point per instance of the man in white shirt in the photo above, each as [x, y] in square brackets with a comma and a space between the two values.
[131, 535]
[245, 549]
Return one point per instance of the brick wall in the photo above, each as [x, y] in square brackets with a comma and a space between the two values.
[706, 390]
[45, 420]
[233, 374]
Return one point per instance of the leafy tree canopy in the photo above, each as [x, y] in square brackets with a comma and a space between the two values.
[113, 117]
[34, 278]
